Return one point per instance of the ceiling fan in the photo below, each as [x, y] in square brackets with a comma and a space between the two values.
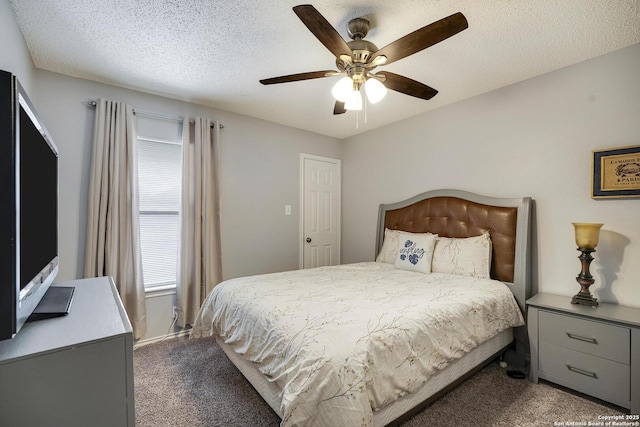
[357, 59]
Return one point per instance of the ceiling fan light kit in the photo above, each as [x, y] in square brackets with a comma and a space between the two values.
[354, 102]
[342, 89]
[375, 90]
[347, 91]
[357, 59]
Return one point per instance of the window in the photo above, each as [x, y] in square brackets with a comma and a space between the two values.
[159, 181]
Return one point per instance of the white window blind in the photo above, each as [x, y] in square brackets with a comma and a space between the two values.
[159, 181]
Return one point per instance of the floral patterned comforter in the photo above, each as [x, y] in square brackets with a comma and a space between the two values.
[344, 341]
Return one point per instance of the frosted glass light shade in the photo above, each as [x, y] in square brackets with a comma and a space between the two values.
[375, 90]
[342, 89]
[587, 235]
[354, 102]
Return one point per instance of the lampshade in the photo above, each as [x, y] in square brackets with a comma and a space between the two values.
[587, 235]
[354, 101]
[342, 89]
[375, 90]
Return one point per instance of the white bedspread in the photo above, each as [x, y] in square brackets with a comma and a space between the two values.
[341, 342]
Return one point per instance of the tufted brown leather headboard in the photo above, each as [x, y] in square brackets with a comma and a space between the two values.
[455, 217]
[455, 213]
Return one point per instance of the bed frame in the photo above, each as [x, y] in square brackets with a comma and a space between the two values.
[456, 213]
[449, 213]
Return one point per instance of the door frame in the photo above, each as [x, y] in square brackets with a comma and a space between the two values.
[301, 233]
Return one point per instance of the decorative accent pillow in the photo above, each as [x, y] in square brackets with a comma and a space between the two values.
[389, 251]
[415, 252]
[470, 256]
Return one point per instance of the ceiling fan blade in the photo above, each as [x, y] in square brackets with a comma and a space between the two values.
[298, 77]
[423, 38]
[406, 85]
[320, 27]
[338, 108]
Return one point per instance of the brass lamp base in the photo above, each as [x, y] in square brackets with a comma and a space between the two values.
[585, 280]
[584, 299]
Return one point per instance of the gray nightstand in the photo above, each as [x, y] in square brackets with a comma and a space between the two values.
[592, 350]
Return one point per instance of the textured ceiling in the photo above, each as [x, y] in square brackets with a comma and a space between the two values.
[214, 52]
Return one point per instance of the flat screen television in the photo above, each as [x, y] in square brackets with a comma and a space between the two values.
[28, 207]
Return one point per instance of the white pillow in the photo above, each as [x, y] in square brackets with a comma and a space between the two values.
[470, 256]
[415, 252]
[389, 249]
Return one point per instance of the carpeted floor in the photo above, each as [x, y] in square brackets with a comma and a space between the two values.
[191, 383]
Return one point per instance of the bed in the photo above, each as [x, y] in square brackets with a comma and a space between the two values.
[370, 343]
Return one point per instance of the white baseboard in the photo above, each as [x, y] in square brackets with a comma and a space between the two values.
[178, 334]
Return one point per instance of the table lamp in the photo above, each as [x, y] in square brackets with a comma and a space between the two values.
[587, 236]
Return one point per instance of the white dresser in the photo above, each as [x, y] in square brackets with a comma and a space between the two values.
[75, 370]
[592, 350]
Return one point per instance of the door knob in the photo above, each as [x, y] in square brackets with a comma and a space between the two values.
[308, 239]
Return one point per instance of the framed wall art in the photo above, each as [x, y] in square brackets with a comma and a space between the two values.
[616, 173]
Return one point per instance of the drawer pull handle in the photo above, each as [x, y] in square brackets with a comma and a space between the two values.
[581, 338]
[582, 371]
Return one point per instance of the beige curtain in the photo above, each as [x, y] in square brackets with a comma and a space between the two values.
[113, 231]
[200, 259]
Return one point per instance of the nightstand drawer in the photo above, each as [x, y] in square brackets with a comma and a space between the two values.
[601, 377]
[586, 336]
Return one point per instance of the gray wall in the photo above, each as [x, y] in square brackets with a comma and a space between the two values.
[534, 138]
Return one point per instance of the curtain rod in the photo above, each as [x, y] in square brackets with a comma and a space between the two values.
[93, 103]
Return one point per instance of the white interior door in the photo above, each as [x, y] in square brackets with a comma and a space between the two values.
[320, 211]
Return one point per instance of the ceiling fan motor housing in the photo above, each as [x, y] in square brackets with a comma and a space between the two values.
[361, 50]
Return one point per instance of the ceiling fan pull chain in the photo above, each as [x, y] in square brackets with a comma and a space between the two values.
[366, 106]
